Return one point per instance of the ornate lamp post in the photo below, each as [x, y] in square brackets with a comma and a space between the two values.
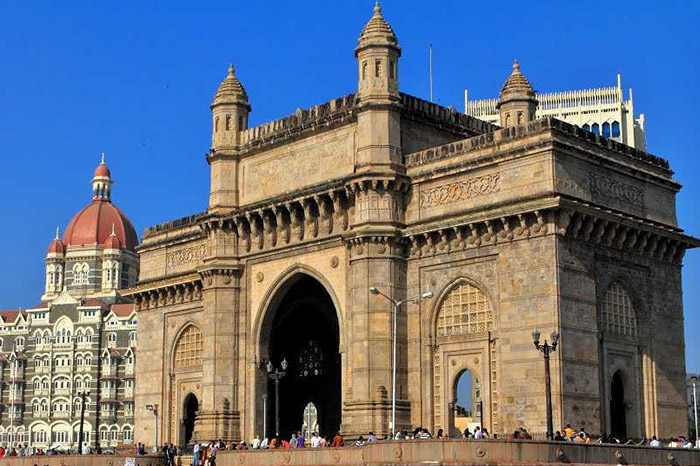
[546, 349]
[396, 305]
[277, 375]
[82, 396]
[154, 410]
[694, 381]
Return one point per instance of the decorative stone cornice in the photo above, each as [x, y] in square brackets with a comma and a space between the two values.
[576, 220]
[308, 216]
[178, 290]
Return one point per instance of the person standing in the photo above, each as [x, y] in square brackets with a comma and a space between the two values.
[337, 440]
[301, 440]
[478, 434]
[255, 444]
[195, 454]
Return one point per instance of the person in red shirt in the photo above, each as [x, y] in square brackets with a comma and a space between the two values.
[337, 440]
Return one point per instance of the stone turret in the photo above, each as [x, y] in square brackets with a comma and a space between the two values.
[379, 138]
[230, 109]
[517, 101]
[378, 53]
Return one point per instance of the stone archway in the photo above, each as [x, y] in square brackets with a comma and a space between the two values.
[301, 326]
[189, 410]
[468, 404]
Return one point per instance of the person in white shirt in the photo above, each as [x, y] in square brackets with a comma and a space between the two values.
[478, 434]
[654, 442]
[255, 444]
[86, 449]
[315, 440]
[264, 445]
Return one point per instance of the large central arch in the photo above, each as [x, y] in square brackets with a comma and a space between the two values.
[301, 325]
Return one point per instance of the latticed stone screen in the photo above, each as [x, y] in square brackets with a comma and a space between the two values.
[465, 310]
[617, 313]
[188, 352]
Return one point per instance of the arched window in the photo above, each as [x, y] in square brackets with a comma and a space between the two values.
[617, 313]
[132, 339]
[465, 310]
[364, 70]
[112, 339]
[378, 68]
[616, 129]
[586, 127]
[606, 129]
[188, 350]
[19, 343]
[595, 128]
[228, 122]
[216, 124]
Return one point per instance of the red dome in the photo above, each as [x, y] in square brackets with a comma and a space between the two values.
[102, 171]
[57, 247]
[93, 225]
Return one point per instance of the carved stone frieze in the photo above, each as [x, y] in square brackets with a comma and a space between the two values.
[460, 190]
[168, 295]
[616, 190]
[186, 255]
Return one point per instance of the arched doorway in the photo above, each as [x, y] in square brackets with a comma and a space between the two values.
[468, 408]
[191, 406]
[301, 326]
[618, 414]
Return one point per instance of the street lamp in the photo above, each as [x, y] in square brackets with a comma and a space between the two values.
[277, 375]
[154, 410]
[396, 304]
[82, 396]
[694, 380]
[546, 348]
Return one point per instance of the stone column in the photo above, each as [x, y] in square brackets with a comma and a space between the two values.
[218, 416]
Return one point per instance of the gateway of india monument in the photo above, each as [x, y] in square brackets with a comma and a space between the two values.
[534, 224]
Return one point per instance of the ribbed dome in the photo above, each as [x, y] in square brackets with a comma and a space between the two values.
[377, 32]
[57, 247]
[94, 224]
[516, 84]
[230, 90]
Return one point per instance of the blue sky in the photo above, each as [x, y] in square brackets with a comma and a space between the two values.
[135, 79]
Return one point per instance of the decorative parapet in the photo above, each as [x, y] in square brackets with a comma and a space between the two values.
[337, 110]
[172, 225]
[451, 119]
[491, 139]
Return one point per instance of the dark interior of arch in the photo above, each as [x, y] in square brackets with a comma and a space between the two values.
[618, 416]
[305, 331]
[191, 407]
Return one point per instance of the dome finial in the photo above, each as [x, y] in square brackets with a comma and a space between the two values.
[516, 65]
[58, 230]
[231, 69]
[102, 158]
[377, 8]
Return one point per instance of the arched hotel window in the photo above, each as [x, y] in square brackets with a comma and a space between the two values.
[595, 128]
[188, 350]
[616, 129]
[586, 127]
[606, 129]
[617, 313]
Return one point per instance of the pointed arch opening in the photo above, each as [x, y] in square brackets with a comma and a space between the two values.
[300, 325]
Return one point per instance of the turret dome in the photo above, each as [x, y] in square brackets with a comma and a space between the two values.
[516, 84]
[377, 32]
[231, 90]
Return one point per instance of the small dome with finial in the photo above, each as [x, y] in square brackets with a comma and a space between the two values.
[57, 246]
[517, 84]
[377, 32]
[102, 171]
[230, 90]
[112, 241]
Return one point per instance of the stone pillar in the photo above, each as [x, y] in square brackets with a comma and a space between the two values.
[218, 416]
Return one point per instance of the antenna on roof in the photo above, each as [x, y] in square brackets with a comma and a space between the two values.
[430, 71]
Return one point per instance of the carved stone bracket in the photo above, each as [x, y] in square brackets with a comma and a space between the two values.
[168, 295]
